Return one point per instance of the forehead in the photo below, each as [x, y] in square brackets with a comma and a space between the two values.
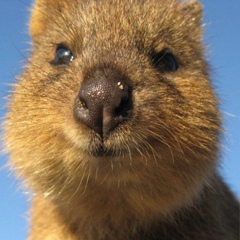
[109, 19]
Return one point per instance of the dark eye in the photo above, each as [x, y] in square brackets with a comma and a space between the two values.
[63, 56]
[164, 61]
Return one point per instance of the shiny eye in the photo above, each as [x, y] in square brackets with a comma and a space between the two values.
[164, 61]
[63, 56]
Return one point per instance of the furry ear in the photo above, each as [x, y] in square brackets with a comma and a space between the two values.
[193, 9]
[41, 11]
[38, 19]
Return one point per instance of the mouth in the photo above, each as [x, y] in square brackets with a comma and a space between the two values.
[106, 153]
[103, 148]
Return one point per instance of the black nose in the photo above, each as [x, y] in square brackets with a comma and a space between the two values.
[104, 100]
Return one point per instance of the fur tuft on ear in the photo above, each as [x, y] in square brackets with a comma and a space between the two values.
[40, 16]
[38, 19]
[193, 9]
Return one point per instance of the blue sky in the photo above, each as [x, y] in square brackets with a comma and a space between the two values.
[222, 36]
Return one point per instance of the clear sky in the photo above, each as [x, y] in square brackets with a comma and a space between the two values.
[222, 36]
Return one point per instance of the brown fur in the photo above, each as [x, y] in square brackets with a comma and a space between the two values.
[163, 183]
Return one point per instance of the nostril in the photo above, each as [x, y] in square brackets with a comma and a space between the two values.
[82, 98]
[80, 109]
[82, 103]
[124, 106]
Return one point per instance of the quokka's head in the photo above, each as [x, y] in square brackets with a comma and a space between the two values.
[115, 93]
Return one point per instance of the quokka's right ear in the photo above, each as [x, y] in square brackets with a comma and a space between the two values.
[43, 12]
[38, 19]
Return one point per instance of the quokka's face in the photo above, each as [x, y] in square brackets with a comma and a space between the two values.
[115, 91]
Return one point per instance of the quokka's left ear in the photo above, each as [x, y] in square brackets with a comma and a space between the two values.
[192, 11]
